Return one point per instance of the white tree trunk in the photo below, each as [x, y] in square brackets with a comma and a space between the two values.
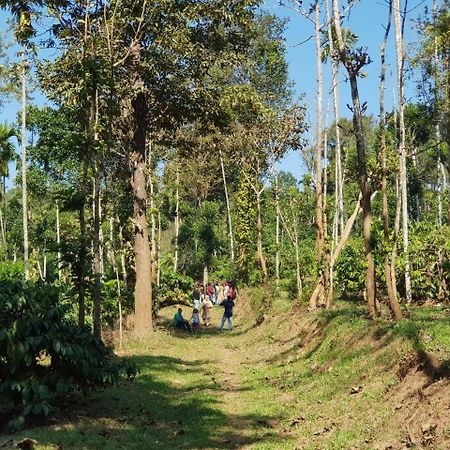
[319, 188]
[24, 171]
[402, 145]
[227, 199]
[277, 233]
[58, 241]
[338, 226]
[177, 222]
[158, 268]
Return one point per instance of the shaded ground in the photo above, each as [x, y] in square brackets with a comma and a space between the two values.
[333, 380]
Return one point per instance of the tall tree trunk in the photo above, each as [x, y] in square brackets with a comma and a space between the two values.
[362, 165]
[152, 209]
[318, 290]
[398, 213]
[277, 233]
[82, 251]
[339, 182]
[177, 221]
[24, 170]
[328, 276]
[338, 220]
[320, 236]
[4, 219]
[143, 286]
[402, 145]
[158, 266]
[97, 258]
[227, 200]
[123, 261]
[297, 267]
[97, 237]
[395, 307]
[58, 241]
[440, 166]
[3, 231]
[259, 242]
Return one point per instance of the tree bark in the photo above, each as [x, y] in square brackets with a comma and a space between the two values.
[259, 244]
[58, 241]
[227, 200]
[297, 268]
[143, 286]
[177, 221]
[395, 307]
[2, 227]
[402, 145]
[362, 165]
[398, 213]
[277, 233]
[340, 245]
[320, 237]
[24, 170]
[158, 267]
[123, 261]
[152, 210]
[82, 251]
[97, 257]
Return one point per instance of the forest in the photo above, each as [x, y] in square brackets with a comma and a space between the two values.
[154, 165]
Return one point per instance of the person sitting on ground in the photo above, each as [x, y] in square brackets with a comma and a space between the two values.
[180, 322]
[228, 304]
[195, 320]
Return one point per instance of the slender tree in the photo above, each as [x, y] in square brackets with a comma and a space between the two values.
[354, 61]
[395, 307]
[402, 143]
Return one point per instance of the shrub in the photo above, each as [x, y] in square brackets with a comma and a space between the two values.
[174, 287]
[110, 302]
[43, 356]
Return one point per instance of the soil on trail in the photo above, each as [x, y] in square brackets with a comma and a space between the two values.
[226, 353]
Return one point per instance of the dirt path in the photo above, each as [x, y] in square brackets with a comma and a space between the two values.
[227, 367]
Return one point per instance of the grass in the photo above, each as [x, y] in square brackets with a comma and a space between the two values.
[285, 384]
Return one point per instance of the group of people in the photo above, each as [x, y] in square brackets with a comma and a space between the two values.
[204, 299]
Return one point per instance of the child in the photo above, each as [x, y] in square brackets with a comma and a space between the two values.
[195, 320]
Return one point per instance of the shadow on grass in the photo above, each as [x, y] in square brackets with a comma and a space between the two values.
[172, 404]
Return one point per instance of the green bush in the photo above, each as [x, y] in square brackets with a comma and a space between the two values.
[43, 356]
[110, 301]
[174, 287]
[350, 269]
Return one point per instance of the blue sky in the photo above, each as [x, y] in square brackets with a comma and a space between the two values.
[366, 20]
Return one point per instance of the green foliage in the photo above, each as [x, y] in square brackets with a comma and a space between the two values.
[110, 303]
[246, 230]
[43, 356]
[350, 269]
[174, 287]
[429, 260]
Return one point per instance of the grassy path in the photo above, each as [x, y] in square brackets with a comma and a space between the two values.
[288, 384]
[192, 393]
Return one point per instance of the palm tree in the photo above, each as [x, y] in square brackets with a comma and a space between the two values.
[7, 154]
[7, 150]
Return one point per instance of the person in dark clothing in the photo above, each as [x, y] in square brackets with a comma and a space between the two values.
[228, 305]
[180, 322]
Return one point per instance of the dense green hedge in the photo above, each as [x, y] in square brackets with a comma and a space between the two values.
[43, 356]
